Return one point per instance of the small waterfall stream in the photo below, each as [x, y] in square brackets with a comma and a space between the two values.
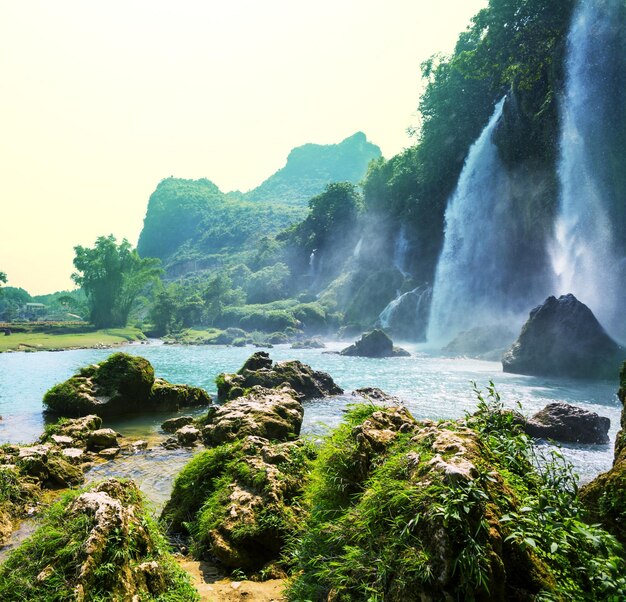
[400, 250]
[584, 254]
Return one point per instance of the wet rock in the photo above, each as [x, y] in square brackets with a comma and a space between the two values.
[63, 474]
[187, 435]
[62, 440]
[109, 453]
[374, 344]
[604, 498]
[274, 414]
[566, 423]
[260, 370]
[102, 439]
[73, 453]
[122, 384]
[308, 344]
[375, 395]
[173, 424]
[562, 337]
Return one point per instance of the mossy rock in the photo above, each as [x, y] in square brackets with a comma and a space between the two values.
[96, 544]
[259, 370]
[374, 344]
[121, 384]
[405, 510]
[240, 501]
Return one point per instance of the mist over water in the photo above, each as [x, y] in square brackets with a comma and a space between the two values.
[584, 254]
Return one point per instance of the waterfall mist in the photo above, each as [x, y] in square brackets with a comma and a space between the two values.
[584, 253]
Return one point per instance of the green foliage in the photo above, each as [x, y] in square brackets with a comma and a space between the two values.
[112, 277]
[268, 284]
[57, 550]
[192, 220]
[389, 527]
[311, 167]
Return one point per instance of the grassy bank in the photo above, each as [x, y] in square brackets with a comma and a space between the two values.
[59, 338]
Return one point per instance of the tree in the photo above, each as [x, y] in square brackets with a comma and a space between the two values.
[112, 276]
[3, 278]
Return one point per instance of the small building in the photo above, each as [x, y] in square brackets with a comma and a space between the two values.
[32, 311]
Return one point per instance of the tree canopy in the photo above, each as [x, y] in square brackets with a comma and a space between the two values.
[112, 276]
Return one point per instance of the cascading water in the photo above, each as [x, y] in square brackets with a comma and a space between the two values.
[400, 250]
[407, 314]
[481, 279]
[584, 254]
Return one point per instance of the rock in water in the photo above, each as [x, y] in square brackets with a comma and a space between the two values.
[260, 370]
[567, 423]
[563, 338]
[121, 384]
[374, 344]
[270, 413]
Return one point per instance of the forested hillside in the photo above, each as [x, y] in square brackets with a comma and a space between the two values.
[368, 255]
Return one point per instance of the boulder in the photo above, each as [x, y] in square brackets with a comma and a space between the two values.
[187, 435]
[241, 500]
[376, 396]
[308, 344]
[260, 370]
[563, 338]
[167, 396]
[122, 384]
[173, 424]
[105, 547]
[274, 414]
[374, 344]
[569, 424]
[102, 439]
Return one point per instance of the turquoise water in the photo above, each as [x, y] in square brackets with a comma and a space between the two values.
[431, 386]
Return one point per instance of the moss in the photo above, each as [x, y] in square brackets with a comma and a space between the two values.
[51, 565]
[126, 375]
[441, 511]
[239, 501]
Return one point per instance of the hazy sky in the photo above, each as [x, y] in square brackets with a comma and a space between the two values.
[99, 101]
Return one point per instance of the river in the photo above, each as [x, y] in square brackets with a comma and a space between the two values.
[431, 386]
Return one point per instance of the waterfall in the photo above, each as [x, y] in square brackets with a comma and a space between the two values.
[407, 314]
[584, 252]
[400, 250]
[312, 264]
[357, 250]
[481, 278]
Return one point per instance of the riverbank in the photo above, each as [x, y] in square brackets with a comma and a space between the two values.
[60, 337]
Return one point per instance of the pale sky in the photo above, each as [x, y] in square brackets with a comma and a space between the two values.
[99, 101]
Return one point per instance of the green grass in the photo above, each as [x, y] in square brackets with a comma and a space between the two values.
[43, 341]
[57, 550]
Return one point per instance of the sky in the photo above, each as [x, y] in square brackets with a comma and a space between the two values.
[99, 101]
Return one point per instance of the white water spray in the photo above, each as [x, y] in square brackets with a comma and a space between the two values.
[583, 252]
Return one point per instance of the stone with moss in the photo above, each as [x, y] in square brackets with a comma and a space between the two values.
[96, 544]
[241, 501]
[406, 510]
[259, 369]
[274, 414]
[121, 384]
